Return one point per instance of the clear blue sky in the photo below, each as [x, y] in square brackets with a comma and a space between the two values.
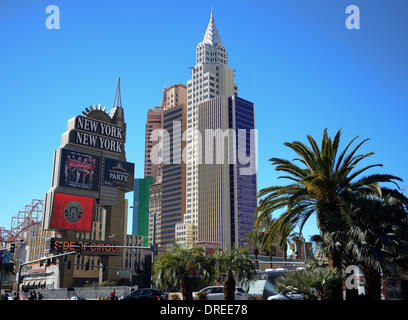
[294, 59]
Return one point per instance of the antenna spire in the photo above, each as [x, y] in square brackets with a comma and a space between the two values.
[118, 99]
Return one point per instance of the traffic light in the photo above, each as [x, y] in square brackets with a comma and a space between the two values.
[69, 265]
[64, 258]
[12, 248]
[48, 262]
[41, 263]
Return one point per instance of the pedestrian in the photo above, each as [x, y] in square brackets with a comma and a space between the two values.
[40, 296]
[6, 296]
[113, 295]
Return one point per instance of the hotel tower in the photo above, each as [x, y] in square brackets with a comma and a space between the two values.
[213, 214]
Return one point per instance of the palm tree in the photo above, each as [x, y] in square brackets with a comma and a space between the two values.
[313, 282]
[237, 266]
[176, 267]
[254, 239]
[277, 234]
[322, 183]
[6, 269]
[375, 236]
[268, 243]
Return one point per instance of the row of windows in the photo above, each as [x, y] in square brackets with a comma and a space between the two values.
[170, 168]
[176, 209]
[165, 181]
[173, 117]
[172, 200]
[173, 110]
[171, 174]
[167, 191]
[172, 206]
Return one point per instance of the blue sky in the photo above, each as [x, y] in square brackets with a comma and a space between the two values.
[294, 59]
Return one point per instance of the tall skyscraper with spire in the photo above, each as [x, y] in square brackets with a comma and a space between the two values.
[211, 78]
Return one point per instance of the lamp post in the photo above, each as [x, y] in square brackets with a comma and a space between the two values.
[154, 245]
[131, 269]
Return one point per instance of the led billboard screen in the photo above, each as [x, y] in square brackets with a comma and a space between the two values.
[70, 212]
[119, 174]
[88, 247]
[79, 170]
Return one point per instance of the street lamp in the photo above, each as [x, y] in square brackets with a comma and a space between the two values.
[154, 245]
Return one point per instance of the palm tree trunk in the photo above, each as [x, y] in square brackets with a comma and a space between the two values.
[372, 283]
[352, 294]
[334, 257]
[229, 286]
[256, 253]
[185, 288]
[335, 262]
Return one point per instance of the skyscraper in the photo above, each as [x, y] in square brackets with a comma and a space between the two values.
[227, 187]
[211, 77]
[140, 222]
[174, 96]
[154, 121]
[173, 183]
[163, 162]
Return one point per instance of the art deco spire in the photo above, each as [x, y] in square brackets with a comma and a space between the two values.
[212, 37]
[118, 98]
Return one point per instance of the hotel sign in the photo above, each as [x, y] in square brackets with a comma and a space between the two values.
[98, 134]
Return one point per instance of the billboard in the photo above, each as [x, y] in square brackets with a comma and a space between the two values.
[119, 174]
[79, 170]
[70, 212]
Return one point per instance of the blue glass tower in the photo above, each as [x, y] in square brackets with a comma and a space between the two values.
[243, 185]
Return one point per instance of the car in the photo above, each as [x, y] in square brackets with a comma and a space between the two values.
[217, 293]
[265, 285]
[255, 289]
[287, 296]
[76, 298]
[146, 294]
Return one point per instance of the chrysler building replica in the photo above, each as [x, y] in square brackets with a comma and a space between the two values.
[211, 78]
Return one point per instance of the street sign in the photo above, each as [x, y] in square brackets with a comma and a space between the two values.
[123, 274]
